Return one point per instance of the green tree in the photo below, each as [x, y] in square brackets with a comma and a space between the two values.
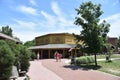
[104, 30]
[6, 60]
[15, 50]
[22, 55]
[7, 30]
[91, 34]
[24, 58]
[29, 43]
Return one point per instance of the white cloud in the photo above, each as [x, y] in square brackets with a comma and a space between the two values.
[60, 15]
[24, 24]
[58, 19]
[28, 10]
[116, 2]
[52, 23]
[75, 30]
[50, 19]
[114, 21]
[113, 17]
[33, 2]
[25, 30]
[56, 9]
[27, 35]
[115, 29]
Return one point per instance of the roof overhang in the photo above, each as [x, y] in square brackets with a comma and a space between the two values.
[53, 46]
[4, 36]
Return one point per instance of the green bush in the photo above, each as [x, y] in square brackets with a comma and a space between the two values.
[84, 60]
[24, 59]
[33, 55]
[90, 59]
[15, 50]
[6, 60]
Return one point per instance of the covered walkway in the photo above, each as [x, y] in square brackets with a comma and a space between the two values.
[48, 50]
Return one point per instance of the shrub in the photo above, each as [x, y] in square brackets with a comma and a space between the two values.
[6, 61]
[24, 59]
[90, 59]
[33, 55]
[84, 60]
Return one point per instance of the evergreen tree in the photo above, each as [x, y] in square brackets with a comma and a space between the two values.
[24, 58]
[7, 30]
[16, 51]
[6, 60]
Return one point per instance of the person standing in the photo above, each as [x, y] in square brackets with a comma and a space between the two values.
[56, 56]
[60, 56]
[38, 56]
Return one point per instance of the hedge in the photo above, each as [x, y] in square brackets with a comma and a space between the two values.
[84, 60]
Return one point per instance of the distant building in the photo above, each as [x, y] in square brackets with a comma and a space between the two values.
[47, 45]
[113, 41]
[6, 37]
[64, 43]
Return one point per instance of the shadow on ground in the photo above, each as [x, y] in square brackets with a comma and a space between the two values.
[83, 67]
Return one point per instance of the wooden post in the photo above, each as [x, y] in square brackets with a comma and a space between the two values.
[63, 53]
[72, 52]
[49, 53]
[41, 54]
[75, 52]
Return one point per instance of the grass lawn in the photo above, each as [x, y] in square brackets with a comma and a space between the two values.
[104, 56]
[110, 67]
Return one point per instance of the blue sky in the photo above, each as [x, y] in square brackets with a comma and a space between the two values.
[32, 18]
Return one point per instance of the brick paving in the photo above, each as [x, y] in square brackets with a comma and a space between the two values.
[49, 69]
[38, 72]
[68, 72]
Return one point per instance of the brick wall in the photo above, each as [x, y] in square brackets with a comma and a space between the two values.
[113, 41]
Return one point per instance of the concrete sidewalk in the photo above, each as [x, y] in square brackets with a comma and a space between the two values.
[105, 59]
[69, 60]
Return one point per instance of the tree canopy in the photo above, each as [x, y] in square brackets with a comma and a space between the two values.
[30, 43]
[92, 33]
[13, 54]
[7, 30]
[6, 60]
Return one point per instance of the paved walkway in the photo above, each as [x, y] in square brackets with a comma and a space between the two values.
[105, 59]
[49, 69]
[38, 72]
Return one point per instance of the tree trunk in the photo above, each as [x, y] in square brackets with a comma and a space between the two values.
[95, 60]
